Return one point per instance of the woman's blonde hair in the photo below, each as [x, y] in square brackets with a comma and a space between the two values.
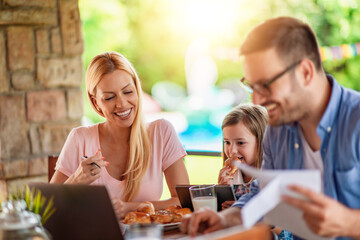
[140, 149]
[255, 119]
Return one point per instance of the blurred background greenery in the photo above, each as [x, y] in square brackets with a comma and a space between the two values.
[155, 34]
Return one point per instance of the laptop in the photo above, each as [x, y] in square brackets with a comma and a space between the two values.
[82, 212]
[223, 193]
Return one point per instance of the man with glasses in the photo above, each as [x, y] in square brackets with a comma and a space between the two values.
[314, 124]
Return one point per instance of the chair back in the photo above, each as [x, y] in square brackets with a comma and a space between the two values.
[51, 165]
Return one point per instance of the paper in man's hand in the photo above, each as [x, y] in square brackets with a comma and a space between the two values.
[269, 205]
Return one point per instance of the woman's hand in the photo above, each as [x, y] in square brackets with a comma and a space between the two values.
[120, 207]
[88, 170]
[224, 176]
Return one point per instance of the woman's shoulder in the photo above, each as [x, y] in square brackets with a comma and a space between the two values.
[160, 124]
[85, 131]
[161, 128]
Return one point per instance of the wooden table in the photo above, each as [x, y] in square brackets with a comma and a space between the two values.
[258, 232]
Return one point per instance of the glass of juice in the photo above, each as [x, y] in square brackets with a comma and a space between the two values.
[203, 196]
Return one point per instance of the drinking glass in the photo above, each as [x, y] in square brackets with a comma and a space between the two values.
[203, 196]
[144, 231]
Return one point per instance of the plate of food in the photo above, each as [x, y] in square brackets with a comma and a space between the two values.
[166, 226]
[170, 226]
[145, 213]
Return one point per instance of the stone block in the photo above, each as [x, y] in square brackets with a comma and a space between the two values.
[42, 41]
[38, 166]
[47, 105]
[2, 173]
[57, 72]
[56, 41]
[3, 190]
[4, 84]
[75, 103]
[71, 27]
[53, 136]
[35, 147]
[31, 3]
[43, 17]
[21, 50]
[22, 81]
[13, 127]
[16, 168]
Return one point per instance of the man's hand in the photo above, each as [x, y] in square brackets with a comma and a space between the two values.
[202, 221]
[206, 220]
[325, 216]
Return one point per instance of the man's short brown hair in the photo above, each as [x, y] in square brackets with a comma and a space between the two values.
[292, 39]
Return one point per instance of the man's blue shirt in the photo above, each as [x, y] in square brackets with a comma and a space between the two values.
[339, 131]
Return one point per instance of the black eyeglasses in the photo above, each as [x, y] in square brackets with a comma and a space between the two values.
[263, 88]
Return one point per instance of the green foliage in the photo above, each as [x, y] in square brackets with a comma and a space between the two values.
[210, 167]
[35, 202]
[150, 35]
[338, 24]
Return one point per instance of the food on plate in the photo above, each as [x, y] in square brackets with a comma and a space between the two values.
[163, 217]
[146, 207]
[137, 217]
[229, 162]
[145, 213]
[182, 211]
[173, 208]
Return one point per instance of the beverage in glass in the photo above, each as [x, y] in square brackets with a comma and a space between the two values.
[203, 196]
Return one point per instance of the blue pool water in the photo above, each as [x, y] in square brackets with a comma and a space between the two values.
[204, 138]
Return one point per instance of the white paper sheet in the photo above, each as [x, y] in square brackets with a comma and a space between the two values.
[268, 204]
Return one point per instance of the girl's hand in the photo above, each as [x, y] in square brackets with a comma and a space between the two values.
[88, 170]
[224, 176]
[120, 207]
[226, 204]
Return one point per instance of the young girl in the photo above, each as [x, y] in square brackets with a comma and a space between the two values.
[243, 130]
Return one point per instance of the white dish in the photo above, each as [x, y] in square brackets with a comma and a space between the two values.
[170, 226]
[166, 227]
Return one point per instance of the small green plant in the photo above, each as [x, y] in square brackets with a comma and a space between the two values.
[35, 202]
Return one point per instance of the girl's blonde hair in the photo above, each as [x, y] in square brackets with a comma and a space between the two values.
[140, 149]
[255, 119]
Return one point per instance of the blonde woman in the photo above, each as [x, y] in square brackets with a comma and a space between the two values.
[122, 153]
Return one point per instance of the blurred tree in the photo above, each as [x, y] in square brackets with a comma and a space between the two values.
[155, 34]
[334, 22]
[337, 23]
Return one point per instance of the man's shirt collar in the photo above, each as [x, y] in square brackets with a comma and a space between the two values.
[331, 112]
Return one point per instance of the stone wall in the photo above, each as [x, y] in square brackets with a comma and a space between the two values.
[41, 73]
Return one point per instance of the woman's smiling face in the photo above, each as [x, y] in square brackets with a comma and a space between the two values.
[116, 97]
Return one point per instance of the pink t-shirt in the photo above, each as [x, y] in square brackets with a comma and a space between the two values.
[166, 149]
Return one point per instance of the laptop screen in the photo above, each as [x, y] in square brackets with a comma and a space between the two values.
[82, 212]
